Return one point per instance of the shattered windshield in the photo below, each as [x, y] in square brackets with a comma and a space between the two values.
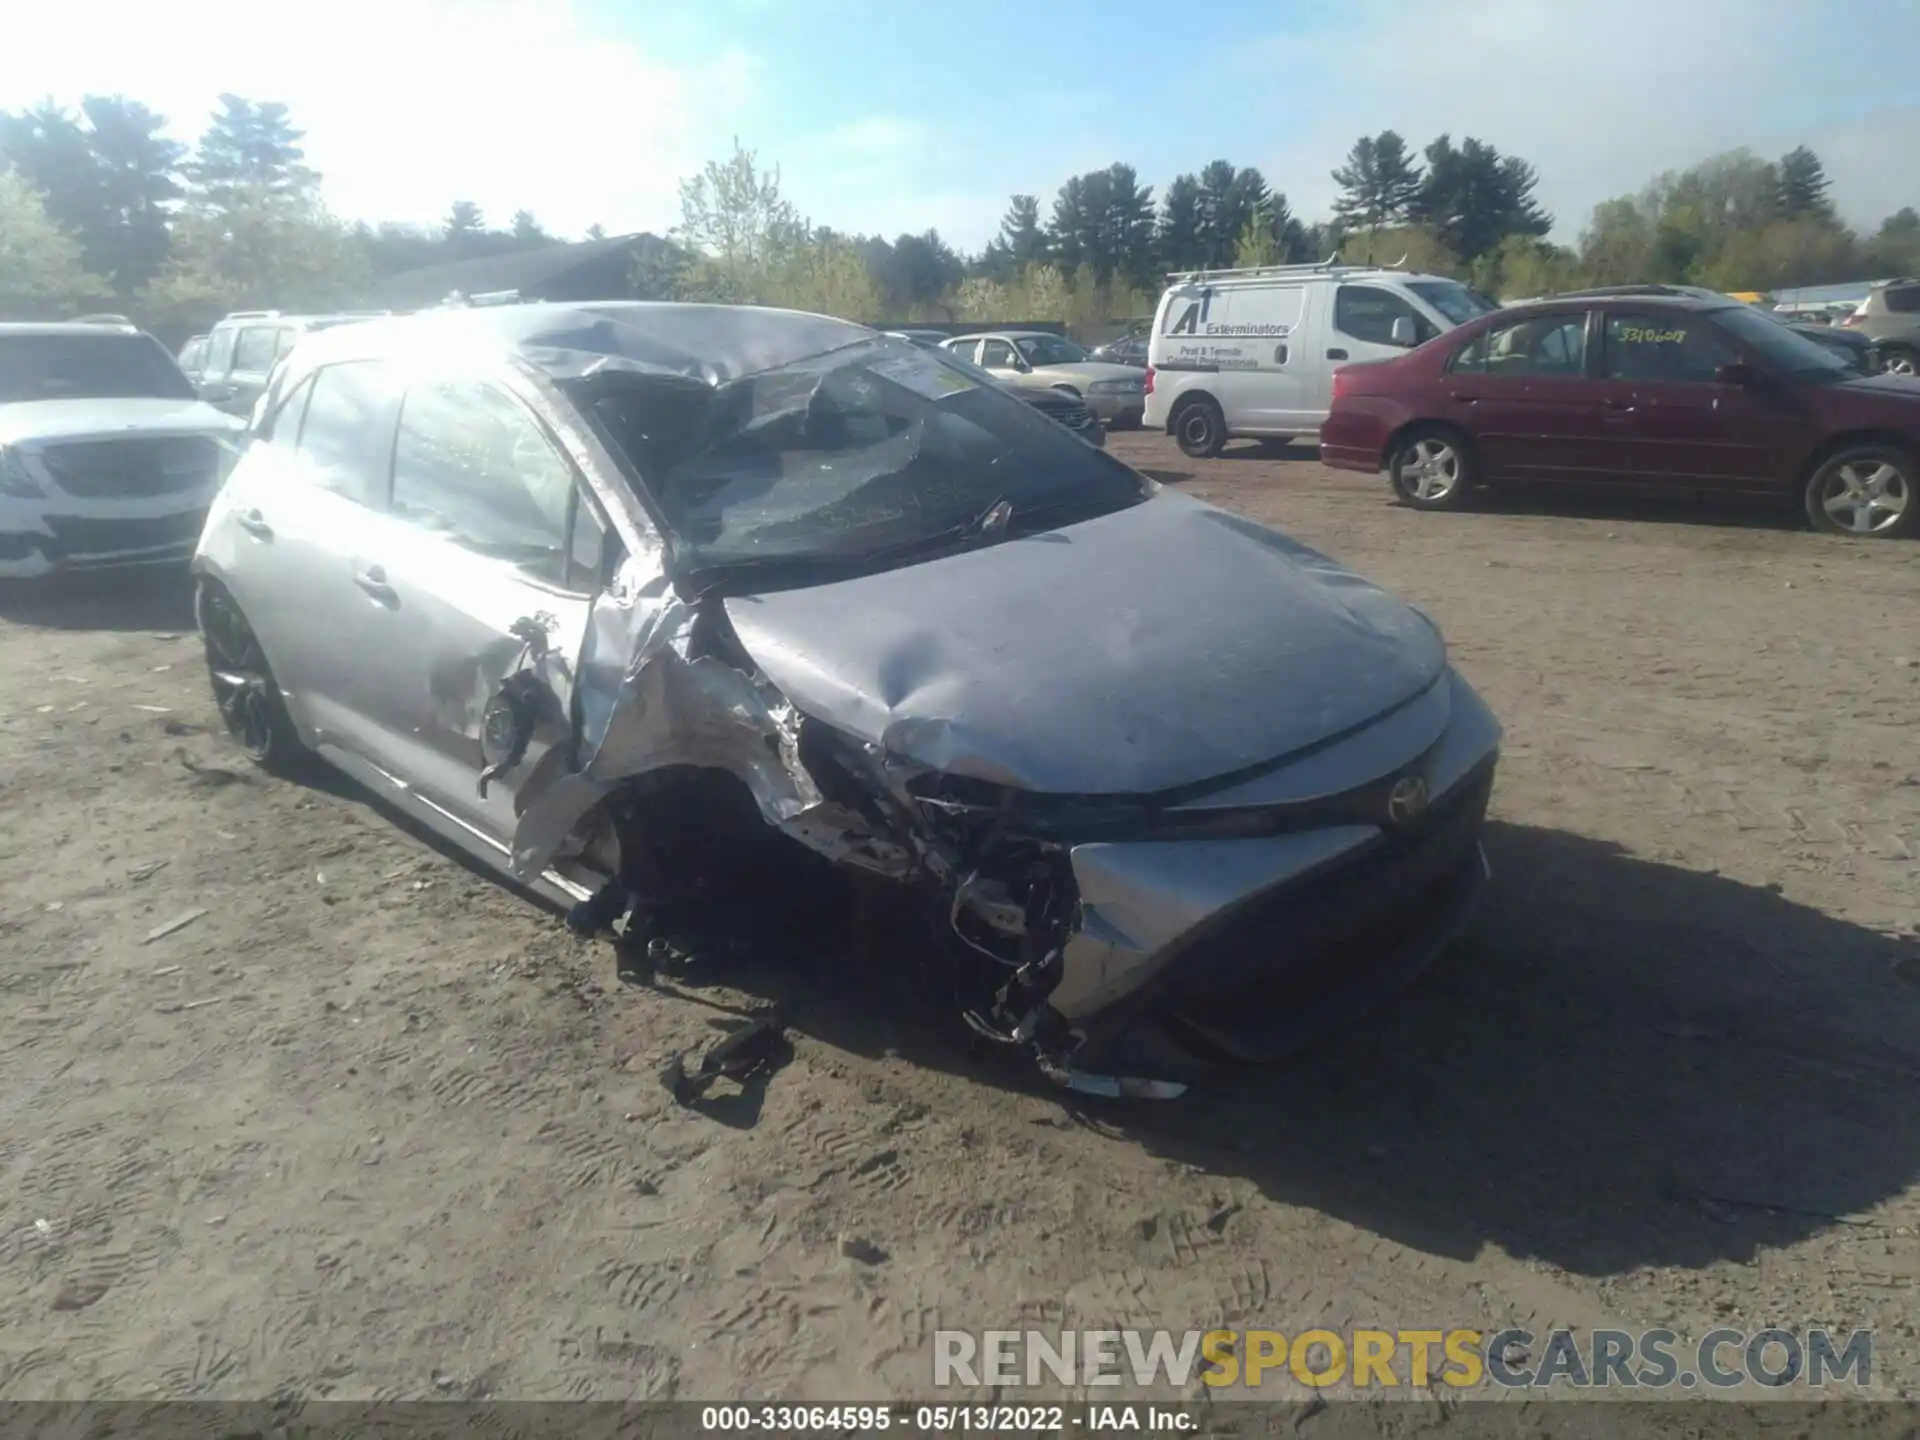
[863, 450]
[72, 366]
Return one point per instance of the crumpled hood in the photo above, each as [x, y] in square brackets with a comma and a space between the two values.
[1163, 645]
[30, 420]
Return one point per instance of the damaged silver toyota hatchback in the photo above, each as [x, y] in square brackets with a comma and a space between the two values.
[567, 581]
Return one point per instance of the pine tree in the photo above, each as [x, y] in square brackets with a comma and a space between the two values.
[253, 148]
[1803, 186]
[1379, 184]
[1022, 233]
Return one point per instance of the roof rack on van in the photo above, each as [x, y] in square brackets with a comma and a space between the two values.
[252, 314]
[1329, 266]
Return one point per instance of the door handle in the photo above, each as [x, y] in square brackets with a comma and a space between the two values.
[1618, 407]
[1336, 354]
[1466, 399]
[373, 580]
[255, 524]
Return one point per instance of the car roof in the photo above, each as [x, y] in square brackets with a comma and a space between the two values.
[1697, 292]
[1584, 299]
[68, 327]
[278, 317]
[709, 343]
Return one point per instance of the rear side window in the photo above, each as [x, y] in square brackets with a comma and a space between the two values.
[219, 356]
[1367, 312]
[283, 342]
[254, 354]
[346, 433]
[1543, 345]
[1903, 299]
[473, 465]
[1679, 347]
[964, 350]
[280, 424]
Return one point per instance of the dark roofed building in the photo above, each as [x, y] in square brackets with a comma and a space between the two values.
[617, 268]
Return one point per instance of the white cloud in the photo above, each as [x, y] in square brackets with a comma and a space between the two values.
[411, 104]
[1601, 99]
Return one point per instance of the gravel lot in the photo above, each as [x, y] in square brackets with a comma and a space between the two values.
[373, 1126]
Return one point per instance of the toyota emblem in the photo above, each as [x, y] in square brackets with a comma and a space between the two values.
[1407, 801]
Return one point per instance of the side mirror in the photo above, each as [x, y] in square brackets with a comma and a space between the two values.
[1736, 372]
[1402, 332]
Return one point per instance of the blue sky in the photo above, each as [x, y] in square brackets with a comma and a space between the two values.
[892, 117]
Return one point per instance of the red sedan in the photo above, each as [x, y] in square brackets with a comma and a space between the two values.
[1675, 394]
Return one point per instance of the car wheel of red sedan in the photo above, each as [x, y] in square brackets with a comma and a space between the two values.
[1865, 490]
[1431, 471]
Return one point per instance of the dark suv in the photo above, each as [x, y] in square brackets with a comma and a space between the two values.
[1658, 392]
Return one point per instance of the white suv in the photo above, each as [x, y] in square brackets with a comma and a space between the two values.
[106, 457]
[1252, 352]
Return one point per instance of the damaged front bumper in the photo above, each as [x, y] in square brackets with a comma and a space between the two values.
[1187, 953]
[1235, 925]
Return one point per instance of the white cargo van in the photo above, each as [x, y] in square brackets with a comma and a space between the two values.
[1252, 352]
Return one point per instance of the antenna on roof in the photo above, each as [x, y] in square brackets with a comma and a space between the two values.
[1401, 263]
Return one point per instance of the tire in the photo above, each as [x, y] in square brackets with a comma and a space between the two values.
[244, 691]
[1869, 492]
[1899, 360]
[1432, 470]
[1199, 428]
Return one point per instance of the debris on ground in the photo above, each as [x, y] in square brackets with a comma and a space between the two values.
[178, 922]
[751, 1049]
[858, 1247]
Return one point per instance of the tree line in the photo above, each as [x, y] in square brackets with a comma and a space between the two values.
[100, 208]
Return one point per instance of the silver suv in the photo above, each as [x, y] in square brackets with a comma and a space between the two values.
[1890, 317]
[649, 604]
[236, 356]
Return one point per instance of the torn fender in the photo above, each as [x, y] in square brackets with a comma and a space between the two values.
[663, 709]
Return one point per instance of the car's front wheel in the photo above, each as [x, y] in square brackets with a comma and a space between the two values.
[1431, 470]
[1865, 490]
[1898, 360]
[1199, 428]
[250, 704]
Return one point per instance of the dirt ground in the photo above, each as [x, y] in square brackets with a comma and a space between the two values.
[373, 1126]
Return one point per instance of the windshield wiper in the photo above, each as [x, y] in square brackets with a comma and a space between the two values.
[701, 580]
[987, 526]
